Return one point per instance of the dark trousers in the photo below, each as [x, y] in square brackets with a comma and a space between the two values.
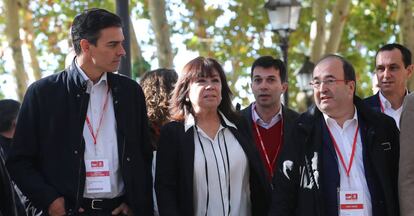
[98, 213]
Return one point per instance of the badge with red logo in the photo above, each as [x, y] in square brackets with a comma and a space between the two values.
[351, 203]
[97, 176]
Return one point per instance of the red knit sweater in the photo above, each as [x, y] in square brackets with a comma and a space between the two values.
[272, 141]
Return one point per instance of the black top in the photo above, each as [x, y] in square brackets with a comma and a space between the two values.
[9, 201]
[5, 144]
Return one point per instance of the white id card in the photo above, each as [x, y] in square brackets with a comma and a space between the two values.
[351, 203]
[97, 176]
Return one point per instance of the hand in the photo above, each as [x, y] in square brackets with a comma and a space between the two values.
[57, 208]
[124, 209]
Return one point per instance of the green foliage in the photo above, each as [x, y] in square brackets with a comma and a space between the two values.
[369, 25]
[235, 32]
[52, 26]
[139, 66]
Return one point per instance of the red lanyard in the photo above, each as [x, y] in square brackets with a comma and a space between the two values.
[269, 164]
[380, 102]
[347, 170]
[88, 122]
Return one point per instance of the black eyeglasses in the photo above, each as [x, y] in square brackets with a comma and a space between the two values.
[329, 82]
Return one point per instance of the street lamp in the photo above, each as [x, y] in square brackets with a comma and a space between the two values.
[284, 17]
[304, 77]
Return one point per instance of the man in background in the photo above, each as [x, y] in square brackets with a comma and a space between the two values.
[269, 120]
[10, 203]
[393, 68]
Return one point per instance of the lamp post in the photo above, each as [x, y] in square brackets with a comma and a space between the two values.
[284, 17]
[123, 12]
[304, 77]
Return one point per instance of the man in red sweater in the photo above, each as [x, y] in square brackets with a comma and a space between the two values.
[270, 121]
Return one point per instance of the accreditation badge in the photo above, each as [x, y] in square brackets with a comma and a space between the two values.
[97, 176]
[351, 203]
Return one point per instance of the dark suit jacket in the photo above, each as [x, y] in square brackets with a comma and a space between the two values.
[373, 102]
[289, 117]
[301, 185]
[47, 158]
[175, 165]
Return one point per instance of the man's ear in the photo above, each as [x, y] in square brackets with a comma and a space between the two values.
[410, 70]
[85, 45]
[285, 86]
[352, 86]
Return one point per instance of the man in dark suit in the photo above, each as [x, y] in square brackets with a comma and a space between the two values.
[81, 145]
[341, 157]
[393, 68]
[269, 120]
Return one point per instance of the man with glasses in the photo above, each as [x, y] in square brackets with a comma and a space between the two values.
[342, 158]
[393, 68]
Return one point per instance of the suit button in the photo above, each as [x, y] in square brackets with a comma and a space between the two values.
[116, 102]
[76, 152]
[128, 159]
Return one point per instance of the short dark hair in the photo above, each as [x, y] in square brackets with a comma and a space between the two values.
[9, 110]
[88, 25]
[349, 71]
[405, 52]
[200, 67]
[267, 62]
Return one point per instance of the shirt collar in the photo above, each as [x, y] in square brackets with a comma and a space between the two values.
[190, 121]
[385, 102]
[330, 121]
[86, 78]
[256, 118]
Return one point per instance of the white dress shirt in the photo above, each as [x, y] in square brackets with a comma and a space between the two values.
[344, 138]
[388, 110]
[275, 119]
[219, 173]
[106, 144]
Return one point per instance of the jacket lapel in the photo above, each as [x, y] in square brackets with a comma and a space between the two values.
[187, 161]
[116, 92]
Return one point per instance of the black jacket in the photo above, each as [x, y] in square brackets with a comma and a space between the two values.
[47, 158]
[289, 116]
[300, 182]
[175, 169]
[10, 203]
[373, 102]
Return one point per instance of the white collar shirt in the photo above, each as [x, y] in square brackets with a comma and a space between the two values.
[344, 138]
[388, 110]
[256, 118]
[216, 154]
[106, 146]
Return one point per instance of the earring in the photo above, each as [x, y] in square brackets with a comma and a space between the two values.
[187, 99]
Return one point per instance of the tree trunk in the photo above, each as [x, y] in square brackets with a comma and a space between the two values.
[234, 77]
[136, 52]
[13, 37]
[405, 20]
[29, 39]
[319, 7]
[340, 14]
[162, 32]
